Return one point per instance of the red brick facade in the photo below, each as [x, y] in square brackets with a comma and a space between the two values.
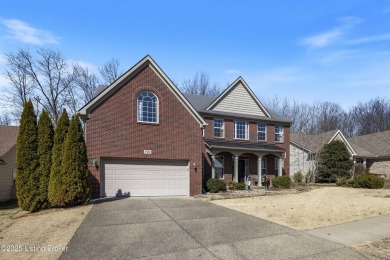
[229, 136]
[112, 130]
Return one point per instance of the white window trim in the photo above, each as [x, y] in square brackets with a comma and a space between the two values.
[157, 109]
[223, 128]
[223, 165]
[282, 134]
[265, 132]
[246, 130]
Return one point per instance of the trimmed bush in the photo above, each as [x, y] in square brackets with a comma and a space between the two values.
[55, 182]
[298, 177]
[368, 181]
[344, 182]
[236, 185]
[282, 182]
[27, 157]
[216, 185]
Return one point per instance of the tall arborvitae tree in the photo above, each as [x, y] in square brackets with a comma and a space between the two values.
[74, 169]
[334, 162]
[26, 157]
[55, 182]
[42, 175]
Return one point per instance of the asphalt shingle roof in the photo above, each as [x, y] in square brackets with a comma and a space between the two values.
[314, 143]
[377, 144]
[8, 136]
[243, 145]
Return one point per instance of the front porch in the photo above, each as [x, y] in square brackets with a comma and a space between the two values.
[236, 161]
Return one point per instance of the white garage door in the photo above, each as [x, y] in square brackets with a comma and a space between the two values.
[146, 178]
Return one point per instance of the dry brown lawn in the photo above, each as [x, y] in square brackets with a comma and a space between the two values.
[33, 232]
[315, 208]
[318, 208]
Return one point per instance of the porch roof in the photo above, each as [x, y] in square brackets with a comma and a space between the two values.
[247, 146]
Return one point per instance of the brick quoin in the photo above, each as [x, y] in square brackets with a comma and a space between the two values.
[113, 132]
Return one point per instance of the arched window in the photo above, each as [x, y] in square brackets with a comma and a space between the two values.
[147, 107]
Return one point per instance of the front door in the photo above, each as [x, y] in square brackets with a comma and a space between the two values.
[242, 169]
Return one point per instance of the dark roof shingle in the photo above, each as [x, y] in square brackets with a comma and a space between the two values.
[378, 144]
[243, 145]
[8, 136]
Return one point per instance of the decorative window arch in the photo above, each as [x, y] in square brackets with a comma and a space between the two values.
[147, 107]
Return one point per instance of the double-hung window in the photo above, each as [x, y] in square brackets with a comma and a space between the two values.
[218, 167]
[261, 132]
[219, 128]
[279, 133]
[241, 130]
[147, 107]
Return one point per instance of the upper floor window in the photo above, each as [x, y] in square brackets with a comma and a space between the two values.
[219, 128]
[261, 132]
[279, 133]
[147, 107]
[241, 130]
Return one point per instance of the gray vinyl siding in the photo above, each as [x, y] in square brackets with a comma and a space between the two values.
[299, 160]
[7, 189]
[239, 101]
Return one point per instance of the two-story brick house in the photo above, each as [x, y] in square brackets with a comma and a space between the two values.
[146, 138]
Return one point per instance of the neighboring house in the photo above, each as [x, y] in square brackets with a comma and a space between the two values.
[373, 151]
[146, 138]
[305, 149]
[8, 136]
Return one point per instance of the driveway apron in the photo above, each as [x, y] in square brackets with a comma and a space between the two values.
[187, 228]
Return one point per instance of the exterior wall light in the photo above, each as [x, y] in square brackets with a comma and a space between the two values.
[94, 162]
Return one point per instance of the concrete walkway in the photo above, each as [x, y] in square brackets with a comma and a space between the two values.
[356, 232]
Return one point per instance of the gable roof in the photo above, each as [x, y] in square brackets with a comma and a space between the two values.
[237, 93]
[8, 137]
[201, 103]
[372, 145]
[131, 73]
[314, 143]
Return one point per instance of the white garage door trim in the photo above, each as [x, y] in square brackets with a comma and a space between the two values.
[138, 178]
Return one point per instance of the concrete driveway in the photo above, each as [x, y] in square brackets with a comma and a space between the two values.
[187, 228]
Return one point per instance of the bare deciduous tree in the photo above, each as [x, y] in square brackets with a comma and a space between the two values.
[5, 119]
[200, 85]
[371, 117]
[110, 71]
[21, 88]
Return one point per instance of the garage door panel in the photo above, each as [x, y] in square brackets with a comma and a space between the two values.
[147, 178]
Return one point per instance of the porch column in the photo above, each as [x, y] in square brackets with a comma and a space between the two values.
[213, 166]
[280, 172]
[235, 177]
[259, 164]
[365, 163]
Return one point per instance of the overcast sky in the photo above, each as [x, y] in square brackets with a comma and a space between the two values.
[308, 50]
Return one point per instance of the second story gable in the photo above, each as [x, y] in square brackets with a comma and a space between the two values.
[238, 115]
